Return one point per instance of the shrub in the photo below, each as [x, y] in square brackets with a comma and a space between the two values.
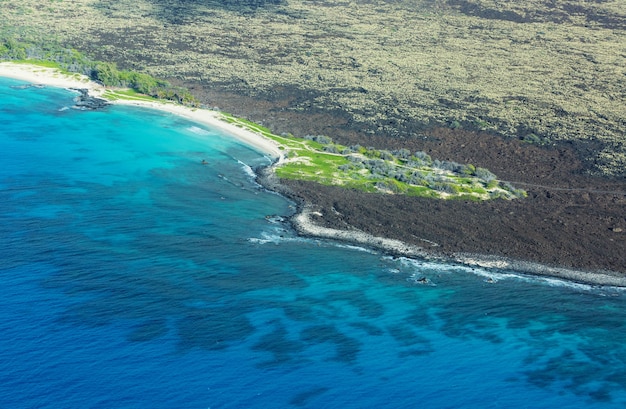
[444, 187]
[401, 177]
[321, 139]
[388, 185]
[423, 156]
[468, 169]
[507, 186]
[386, 155]
[402, 153]
[485, 175]
[331, 149]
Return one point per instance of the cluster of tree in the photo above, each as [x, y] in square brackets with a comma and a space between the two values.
[11, 49]
[109, 75]
[104, 72]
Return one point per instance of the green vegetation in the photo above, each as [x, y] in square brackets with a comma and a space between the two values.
[42, 63]
[72, 61]
[128, 94]
[314, 158]
[537, 70]
[319, 159]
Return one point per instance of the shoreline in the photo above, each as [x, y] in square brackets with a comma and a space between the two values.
[302, 219]
[52, 77]
[303, 224]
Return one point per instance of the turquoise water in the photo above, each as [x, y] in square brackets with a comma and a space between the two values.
[133, 276]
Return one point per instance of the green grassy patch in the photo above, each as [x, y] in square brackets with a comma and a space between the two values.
[128, 94]
[41, 63]
[319, 160]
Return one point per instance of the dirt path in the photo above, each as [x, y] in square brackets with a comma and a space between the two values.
[567, 189]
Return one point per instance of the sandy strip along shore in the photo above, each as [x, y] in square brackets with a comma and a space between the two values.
[303, 220]
[52, 77]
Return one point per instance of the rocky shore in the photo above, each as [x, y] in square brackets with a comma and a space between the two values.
[304, 222]
[582, 246]
[88, 102]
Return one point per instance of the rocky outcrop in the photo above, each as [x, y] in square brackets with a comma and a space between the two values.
[85, 101]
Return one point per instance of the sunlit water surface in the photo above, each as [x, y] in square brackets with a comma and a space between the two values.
[133, 276]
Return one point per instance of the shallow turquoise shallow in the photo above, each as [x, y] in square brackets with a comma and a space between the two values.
[133, 276]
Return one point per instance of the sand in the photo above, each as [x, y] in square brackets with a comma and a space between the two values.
[54, 78]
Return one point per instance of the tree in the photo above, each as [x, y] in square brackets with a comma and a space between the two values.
[106, 73]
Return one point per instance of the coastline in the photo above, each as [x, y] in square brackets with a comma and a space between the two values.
[54, 78]
[304, 225]
[302, 220]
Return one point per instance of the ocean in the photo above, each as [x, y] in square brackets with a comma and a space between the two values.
[134, 276]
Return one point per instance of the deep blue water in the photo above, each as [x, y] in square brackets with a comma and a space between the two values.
[133, 276]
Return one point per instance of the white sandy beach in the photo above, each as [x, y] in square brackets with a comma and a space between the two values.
[54, 78]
